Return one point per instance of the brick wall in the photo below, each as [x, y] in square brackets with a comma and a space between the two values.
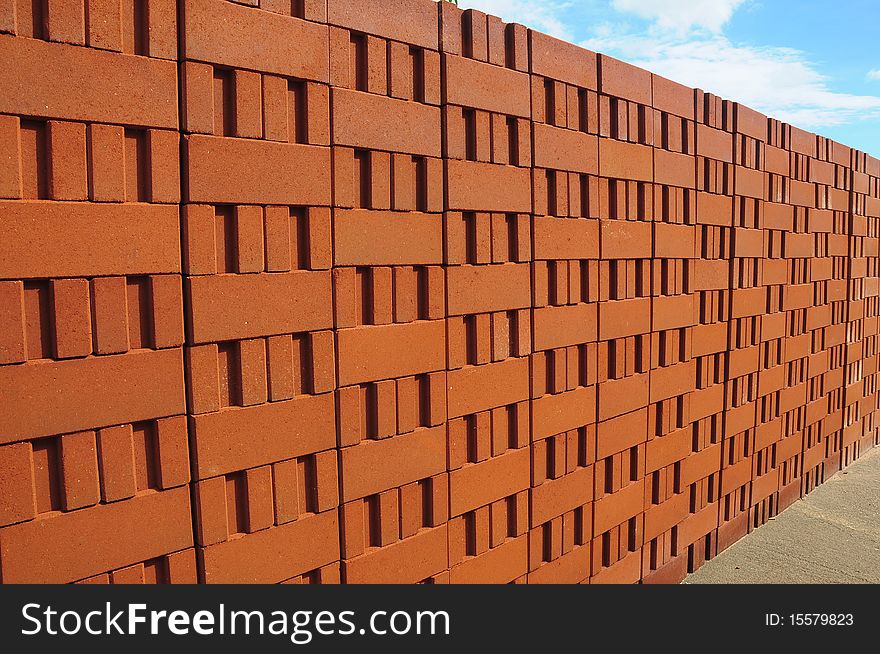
[384, 291]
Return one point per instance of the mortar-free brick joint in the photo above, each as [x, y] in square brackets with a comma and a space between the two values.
[338, 291]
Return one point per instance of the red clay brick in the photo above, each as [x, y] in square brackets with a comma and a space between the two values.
[225, 33]
[563, 61]
[371, 353]
[479, 186]
[18, 501]
[474, 84]
[410, 21]
[621, 160]
[286, 302]
[672, 97]
[117, 463]
[85, 394]
[364, 120]
[480, 289]
[12, 323]
[407, 238]
[247, 171]
[674, 169]
[501, 383]
[714, 144]
[624, 80]
[67, 82]
[375, 465]
[79, 239]
[273, 555]
[562, 149]
[52, 551]
[245, 437]
[407, 561]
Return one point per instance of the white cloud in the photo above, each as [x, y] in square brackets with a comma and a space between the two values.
[542, 15]
[682, 15]
[781, 82]
[684, 41]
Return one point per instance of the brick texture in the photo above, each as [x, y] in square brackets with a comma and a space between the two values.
[391, 292]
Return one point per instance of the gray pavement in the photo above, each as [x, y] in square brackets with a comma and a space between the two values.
[830, 536]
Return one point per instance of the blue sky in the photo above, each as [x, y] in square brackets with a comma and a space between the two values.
[812, 63]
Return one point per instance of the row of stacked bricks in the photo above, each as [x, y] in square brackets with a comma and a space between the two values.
[860, 426]
[260, 353]
[805, 223]
[322, 291]
[868, 205]
[94, 454]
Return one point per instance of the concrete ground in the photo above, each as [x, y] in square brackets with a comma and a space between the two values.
[830, 536]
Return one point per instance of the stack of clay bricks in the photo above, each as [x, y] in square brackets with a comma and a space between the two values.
[860, 382]
[386, 291]
[866, 207]
[94, 447]
[260, 358]
[565, 294]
